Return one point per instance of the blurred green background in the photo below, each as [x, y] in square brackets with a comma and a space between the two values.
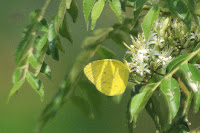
[22, 112]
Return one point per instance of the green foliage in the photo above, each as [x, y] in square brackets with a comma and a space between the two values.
[170, 86]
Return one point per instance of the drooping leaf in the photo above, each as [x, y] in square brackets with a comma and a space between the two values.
[138, 4]
[45, 69]
[42, 25]
[52, 35]
[64, 5]
[21, 48]
[180, 9]
[41, 44]
[116, 7]
[175, 62]
[139, 101]
[149, 20]
[96, 12]
[36, 84]
[87, 7]
[65, 31]
[33, 61]
[16, 87]
[73, 10]
[16, 75]
[105, 53]
[170, 88]
[83, 105]
[59, 45]
[41, 52]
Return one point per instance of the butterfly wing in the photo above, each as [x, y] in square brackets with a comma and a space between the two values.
[109, 76]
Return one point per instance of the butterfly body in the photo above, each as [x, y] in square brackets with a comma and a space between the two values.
[109, 76]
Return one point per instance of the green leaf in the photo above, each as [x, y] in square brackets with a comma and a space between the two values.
[96, 12]
[45, 69]
[197, 101]
[16, 87]
[139, 4]
[87, 7]
[180, 9]
[55, 54]
[33, 61]
[42, 25]
[52, 35]
[59, 45]
[34, 15]
[158, 109]
[192, 7]
[83, 105]
[116, 7]
[41, 44]
[195, 72]
[99, 35]
[64, 5]
[16, 75]
[179, 129]
[139, 101]
[170, 88]
[149, 20]
[65, 31]
[36, 84]
[41, 52]
[21, 48]
[176, 62]
[105, 53]
[92, 95]
[73, 11]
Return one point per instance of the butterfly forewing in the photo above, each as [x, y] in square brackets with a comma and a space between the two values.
[109, 76]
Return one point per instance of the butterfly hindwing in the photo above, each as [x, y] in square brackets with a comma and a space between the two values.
[109, 76]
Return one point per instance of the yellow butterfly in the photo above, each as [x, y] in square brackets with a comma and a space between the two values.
[109, 76]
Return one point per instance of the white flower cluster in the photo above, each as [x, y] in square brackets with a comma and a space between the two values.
[146, 55]
[168, 39]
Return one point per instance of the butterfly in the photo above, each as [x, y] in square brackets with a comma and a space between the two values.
[110, 76]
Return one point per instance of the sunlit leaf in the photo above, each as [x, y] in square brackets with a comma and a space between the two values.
[180, 9]
[175, 62]
[170, 89]
[116, 7]
[139, 101]
[149, 20]
[64, 5]
[65, 31]
[96, 12]
[21, 48]
[16, 75]
[36, 84]
[87, 7]
[16, 87]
